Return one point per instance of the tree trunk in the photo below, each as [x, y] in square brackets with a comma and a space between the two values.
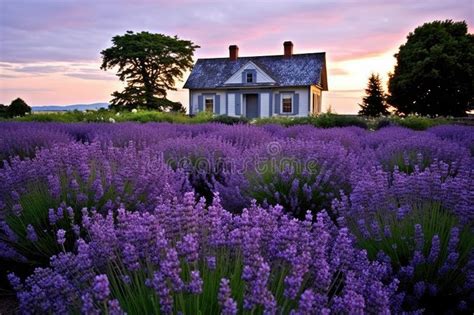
[147, 85]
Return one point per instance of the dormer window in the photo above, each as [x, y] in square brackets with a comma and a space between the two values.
[249, 77]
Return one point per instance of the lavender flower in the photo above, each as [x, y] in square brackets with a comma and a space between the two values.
[188, 247]
[52, 217]
[163, 292]
[31, 233]
[359, 177]
[227, 304]
[130, 257]
[61, 237]
[171, 269]
[435, 249]
[307, 302]
[17, 209]
[15, 282]
[419, 239]
[101, 287]
[195, 286]
[419, 289]
[113, 307]
[211, 262]
[88, 306]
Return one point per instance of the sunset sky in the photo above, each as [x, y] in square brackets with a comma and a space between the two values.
[50, 49]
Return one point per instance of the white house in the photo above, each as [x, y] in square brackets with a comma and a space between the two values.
[261, 86]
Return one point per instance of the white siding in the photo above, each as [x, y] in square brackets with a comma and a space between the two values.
[316, 107]
[303, 95]
[222, 102]
[264, 104]
[304, 100]
[195, 100]
[231, 104]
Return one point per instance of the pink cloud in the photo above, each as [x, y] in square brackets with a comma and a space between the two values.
[73, 32]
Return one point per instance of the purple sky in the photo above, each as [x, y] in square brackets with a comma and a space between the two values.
[50, 49]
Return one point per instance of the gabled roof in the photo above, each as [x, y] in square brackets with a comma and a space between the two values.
[298, 70]
[264, 77]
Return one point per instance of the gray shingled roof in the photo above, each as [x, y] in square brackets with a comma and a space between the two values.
[299, 70]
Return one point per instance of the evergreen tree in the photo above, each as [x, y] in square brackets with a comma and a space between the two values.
[374, 104]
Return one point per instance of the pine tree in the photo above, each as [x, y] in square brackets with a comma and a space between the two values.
[374, 104]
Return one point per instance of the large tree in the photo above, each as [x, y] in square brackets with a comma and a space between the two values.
[3, 111]
[150, 64]
[374, 104]
[434, 71]
[18, 107]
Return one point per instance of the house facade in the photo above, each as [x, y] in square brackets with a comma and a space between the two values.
[261, 86]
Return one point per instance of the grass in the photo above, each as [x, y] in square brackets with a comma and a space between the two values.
[136, 298]
[399, 245]
[324, 120]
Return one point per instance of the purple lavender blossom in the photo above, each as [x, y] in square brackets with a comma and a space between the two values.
[211, 262]
[54, 186]
[17, 209]
[163, 292]
[356, 175]
[195, 285]
[188, 247]
[130, 257]
[307, 302]
[419, 289]
[113, 307]
[88, 306]
[227, 304]
[15, 282]
[61, 237]
[101, 287]
[419, 238]
[52, 217]
[70, 213]
[171, 269]
[435, 249]
[8, 232]
[31, 233]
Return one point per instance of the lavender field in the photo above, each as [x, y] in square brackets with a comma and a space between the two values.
[236, 219]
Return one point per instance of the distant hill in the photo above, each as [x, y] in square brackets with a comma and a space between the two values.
[60, 108]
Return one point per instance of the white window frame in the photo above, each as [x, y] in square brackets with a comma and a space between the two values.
[290, 96]
[206, 98]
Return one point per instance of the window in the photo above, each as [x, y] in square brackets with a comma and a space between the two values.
[209, 104]
[249, 77]
[287, 103]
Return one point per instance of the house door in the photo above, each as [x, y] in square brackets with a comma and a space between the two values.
[251, 106]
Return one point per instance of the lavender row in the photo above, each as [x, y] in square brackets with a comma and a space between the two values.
[63, 197]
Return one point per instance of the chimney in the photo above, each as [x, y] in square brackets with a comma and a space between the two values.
[288, 49]
[233, 52]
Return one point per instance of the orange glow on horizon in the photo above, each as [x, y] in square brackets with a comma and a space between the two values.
[347, 81]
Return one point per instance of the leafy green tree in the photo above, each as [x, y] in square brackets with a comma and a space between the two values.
[3, 111]
[434, 71]
[374, 103]
[150, 64]
[18, 107]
